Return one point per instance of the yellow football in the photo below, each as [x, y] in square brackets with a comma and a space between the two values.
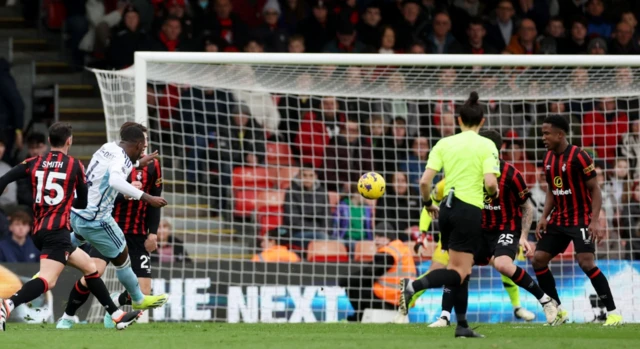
[371, 185]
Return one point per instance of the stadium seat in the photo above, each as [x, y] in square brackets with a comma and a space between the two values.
[250, 177]
[282, 176]
[269, 218]
[269, 198]
[279, 154]
[244, 202]
[330, 251]
[56, 13]
[364, 251]
[334, 200]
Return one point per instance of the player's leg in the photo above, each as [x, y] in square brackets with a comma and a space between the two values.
[439, 260]
[585, 253]
[128, 278]
[550, 245]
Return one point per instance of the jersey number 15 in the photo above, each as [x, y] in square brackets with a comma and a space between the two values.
[50, 185]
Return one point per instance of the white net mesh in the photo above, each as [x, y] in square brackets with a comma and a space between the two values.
[232, 140]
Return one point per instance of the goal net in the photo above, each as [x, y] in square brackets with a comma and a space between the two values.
[260, 151]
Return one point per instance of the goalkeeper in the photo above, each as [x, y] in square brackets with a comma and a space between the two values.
[440, 259]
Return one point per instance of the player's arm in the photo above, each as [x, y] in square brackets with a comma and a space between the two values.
[81, 200]
[18, 172]
[590, 177]
[491, 169]
[118, 181]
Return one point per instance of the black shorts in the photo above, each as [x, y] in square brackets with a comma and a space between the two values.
[140, 259]
[54, 244]
[496, 244]
[557, 239]
[460, 226]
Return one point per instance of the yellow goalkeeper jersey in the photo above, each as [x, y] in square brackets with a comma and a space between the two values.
[437, 195]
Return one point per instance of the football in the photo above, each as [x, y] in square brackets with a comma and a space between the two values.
[371, 185]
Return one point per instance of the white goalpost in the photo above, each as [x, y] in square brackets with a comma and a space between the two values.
[256, 145]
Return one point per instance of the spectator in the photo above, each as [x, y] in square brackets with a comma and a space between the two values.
[630, 221]
[169, 37]
[610, 205]
[394, 148]
[598, 25]
[447, 126]
[274, 35]
[18, 247]
[311, 139]
[630, 18]
[515, 154]
[293, 12]
[76, 25]
[10, 194]
[377, 129]
[571, 8]
[414, 166]
[555, 28]
[536, 10]
[330, 116]
[170, 248]
[98, 34]
[306, 209]
[292, 107]
[11, 113]
[603, 129]
[610, 246]
[178, 9]
[368, 28]
[318, 29]
[398, 107]
[346, 10]
[413, 26]
[388, 40]
[37, 146]
[476, 43]
[249, 11]
[373, 286]
[461, 13]
[254, 46]
[417, 47]
[346, 158]
[213, 44]
[261, 104]
[618, 180]
[597, 46]
[630, 148]
[296, 44]
[353, 219]
[441, 40]
[346, 40]
[623, 42]
[243, 135]
[126, 39]
[273, 251]
[399, 207]
[577, 42]
[525, 42]
[227, 26]
[499, 35]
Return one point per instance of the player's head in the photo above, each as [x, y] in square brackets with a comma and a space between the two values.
[140, 126]
[60, 135]
[133, 142]
[471, 113]
[494, 136]
[554, 131]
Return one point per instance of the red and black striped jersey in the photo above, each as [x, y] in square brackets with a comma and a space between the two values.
[504, 213]
[567, 175]
[135, 216]
[55, 177]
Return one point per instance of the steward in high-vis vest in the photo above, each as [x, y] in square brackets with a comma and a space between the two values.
[376, 285]
[273, 252]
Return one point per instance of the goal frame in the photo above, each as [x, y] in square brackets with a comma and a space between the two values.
[141, 59]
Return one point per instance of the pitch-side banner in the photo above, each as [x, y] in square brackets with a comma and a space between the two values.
[253, 292]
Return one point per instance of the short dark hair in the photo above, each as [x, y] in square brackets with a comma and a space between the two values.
[308, 166]
[171, 18]
[494, 136]
[471, 112]
[132, 135]
[59, 133]
[35, 138]
[580, 19]
[557, 121]
[20, 216]
[476, 21]
[130, 124]
[556, 19]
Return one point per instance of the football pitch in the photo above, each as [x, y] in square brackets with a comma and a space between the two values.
[297, 336]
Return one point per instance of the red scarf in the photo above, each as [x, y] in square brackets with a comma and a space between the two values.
[170, 44]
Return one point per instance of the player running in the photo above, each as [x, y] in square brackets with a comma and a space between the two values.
[106, 176]
[467, 159]
[139, 223]
[505, 225]
[54, 178]
[573, 201]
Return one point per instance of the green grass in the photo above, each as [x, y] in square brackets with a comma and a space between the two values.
[302, 336]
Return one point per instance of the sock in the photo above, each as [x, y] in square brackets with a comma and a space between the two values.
[129, 280]
[615, 311]
[461, 301]
[601, 285]
[124, 299]
[512, 290]
[524, 280]
[99, 290]
[29, 291]
[436, 279]
[446, 314]
[447, 301]
[547, 283]
[77, 297]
